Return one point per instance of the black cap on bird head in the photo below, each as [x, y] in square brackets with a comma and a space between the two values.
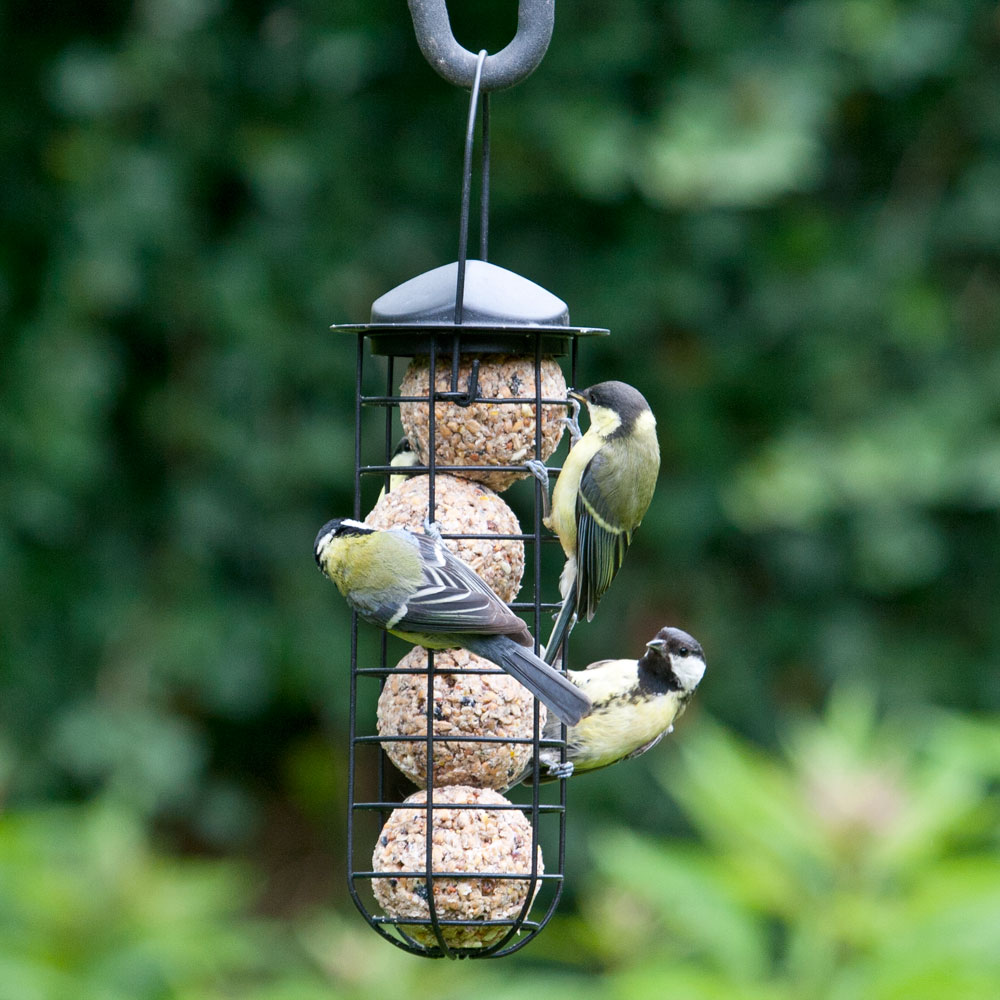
[623, 399]
[338, 528]
[674, 641]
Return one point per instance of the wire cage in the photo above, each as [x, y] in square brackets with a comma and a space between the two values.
[373, 783]
[458, 869]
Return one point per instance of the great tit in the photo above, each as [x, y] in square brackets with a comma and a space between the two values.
[603, 491]
[404, 457]
[412, 586]
[635, 704]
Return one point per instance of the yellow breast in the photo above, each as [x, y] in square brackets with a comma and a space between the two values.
[562, 519]
[623, 719]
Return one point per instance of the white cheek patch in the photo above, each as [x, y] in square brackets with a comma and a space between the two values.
[604, 420]
[689, 670]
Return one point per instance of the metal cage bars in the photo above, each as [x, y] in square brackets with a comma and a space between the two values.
[382, 804]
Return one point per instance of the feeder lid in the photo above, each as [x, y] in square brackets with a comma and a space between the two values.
[493, 295]
[502, 312]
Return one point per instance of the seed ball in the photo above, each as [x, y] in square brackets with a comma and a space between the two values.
[486, 433]
[483, 842]
[461, 508]
[465, 704]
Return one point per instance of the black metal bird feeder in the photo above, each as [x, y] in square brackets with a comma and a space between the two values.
[458, 322]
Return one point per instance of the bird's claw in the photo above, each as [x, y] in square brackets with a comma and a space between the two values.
[563, 769]
[432, 528]
[573, 421]
[539, 471]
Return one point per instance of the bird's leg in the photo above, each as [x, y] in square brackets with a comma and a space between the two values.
[541, 473]
[433, 529]
[573, 421]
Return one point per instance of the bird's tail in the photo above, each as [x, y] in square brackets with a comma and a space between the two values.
[549, 686]
[567, 613]
[562, 628]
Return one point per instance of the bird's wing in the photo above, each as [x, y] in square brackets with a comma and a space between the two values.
[597, 664]
[639, 751]
[453, 598]
[601, 543]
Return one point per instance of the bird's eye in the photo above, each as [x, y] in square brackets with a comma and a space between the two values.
[684, 651]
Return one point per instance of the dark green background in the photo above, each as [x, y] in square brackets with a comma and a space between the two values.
[787, 213]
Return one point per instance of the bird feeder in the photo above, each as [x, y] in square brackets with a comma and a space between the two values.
[456, 868]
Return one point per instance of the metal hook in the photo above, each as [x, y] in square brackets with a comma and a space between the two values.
[520, 58]
[456, 395]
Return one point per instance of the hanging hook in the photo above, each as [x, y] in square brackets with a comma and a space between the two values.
[520, 58]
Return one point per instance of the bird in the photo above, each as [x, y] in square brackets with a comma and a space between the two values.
[603, 491]
[403, 457]
[636, 703]
[411, 585]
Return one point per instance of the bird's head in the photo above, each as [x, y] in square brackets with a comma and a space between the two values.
[681, 654]
[339, 527]
[403, 450]
[613, 406]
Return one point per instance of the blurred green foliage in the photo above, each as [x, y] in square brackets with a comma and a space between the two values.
[787, 213]
[861, 862]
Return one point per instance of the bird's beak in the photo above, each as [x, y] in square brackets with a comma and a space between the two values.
[658, 644]
[574, 394]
